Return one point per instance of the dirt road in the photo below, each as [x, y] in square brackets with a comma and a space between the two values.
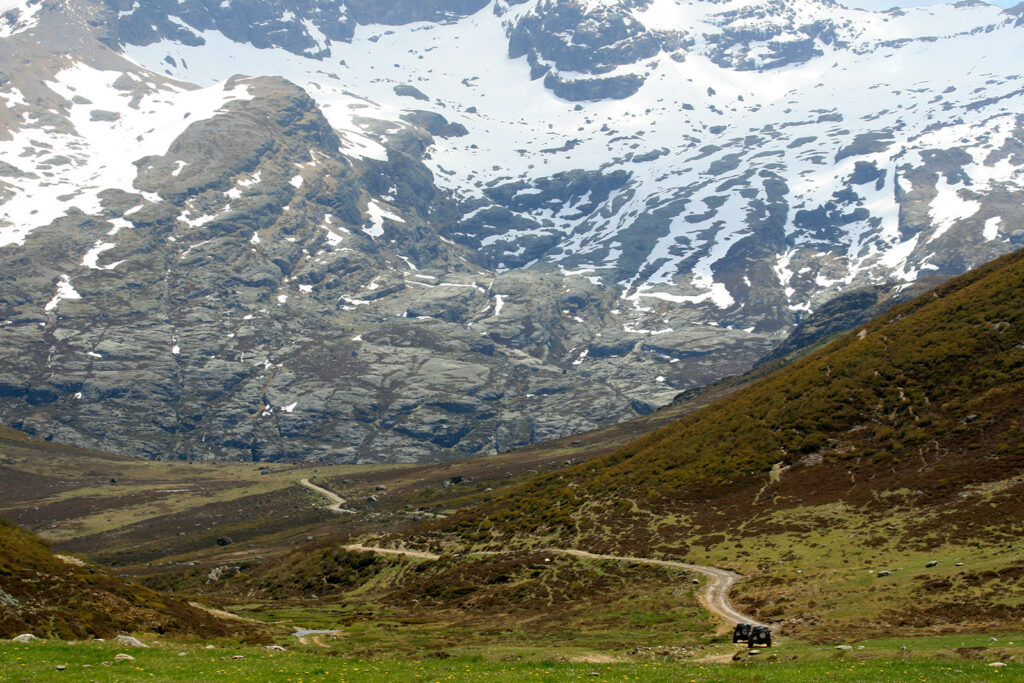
[336, 500]
[393, 551]
[221, 613]
[714, 597]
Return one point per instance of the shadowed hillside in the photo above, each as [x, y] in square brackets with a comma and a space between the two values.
[62, 597]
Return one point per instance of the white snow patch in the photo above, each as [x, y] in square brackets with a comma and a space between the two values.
[194, 221]
[717, 294]
[13, 98]
[896, 258]
[991, 230]
[91, 257]
[784, 272]
[64, 291]
[948, 207]
[119, 224]
[377, 215]
[254, 179]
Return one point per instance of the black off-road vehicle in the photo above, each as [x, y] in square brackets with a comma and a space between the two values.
[760, 636]
[741, 633]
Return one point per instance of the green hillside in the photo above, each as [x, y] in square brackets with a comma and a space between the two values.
[898, 442]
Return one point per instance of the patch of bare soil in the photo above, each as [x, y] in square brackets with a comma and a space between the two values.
[596, 658]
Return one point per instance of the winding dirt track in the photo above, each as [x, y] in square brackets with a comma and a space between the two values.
[393, 551]
[714, 597]
[336, 500]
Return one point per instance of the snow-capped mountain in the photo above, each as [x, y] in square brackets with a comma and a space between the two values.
[805, 127]
[364, 229]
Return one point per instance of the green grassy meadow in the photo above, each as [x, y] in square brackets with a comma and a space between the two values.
[924, 660]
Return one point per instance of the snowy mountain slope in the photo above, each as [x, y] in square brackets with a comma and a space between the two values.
[417, 230]
[709, 145]
[17, 16]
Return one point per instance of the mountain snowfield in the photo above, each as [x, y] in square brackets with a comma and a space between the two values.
[927, 78]
[18, 16]
[601, 202]
[101, 151]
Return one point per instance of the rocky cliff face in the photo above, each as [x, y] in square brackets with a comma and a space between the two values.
[373, 247]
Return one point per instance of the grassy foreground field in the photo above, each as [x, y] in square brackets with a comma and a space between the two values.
[953, 658]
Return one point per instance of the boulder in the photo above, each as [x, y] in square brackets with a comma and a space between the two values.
[406, 90]
[224, 572]
[25, 638]
[130, 641]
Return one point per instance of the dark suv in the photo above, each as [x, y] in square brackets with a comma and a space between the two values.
[741, 633]
[760, 636]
